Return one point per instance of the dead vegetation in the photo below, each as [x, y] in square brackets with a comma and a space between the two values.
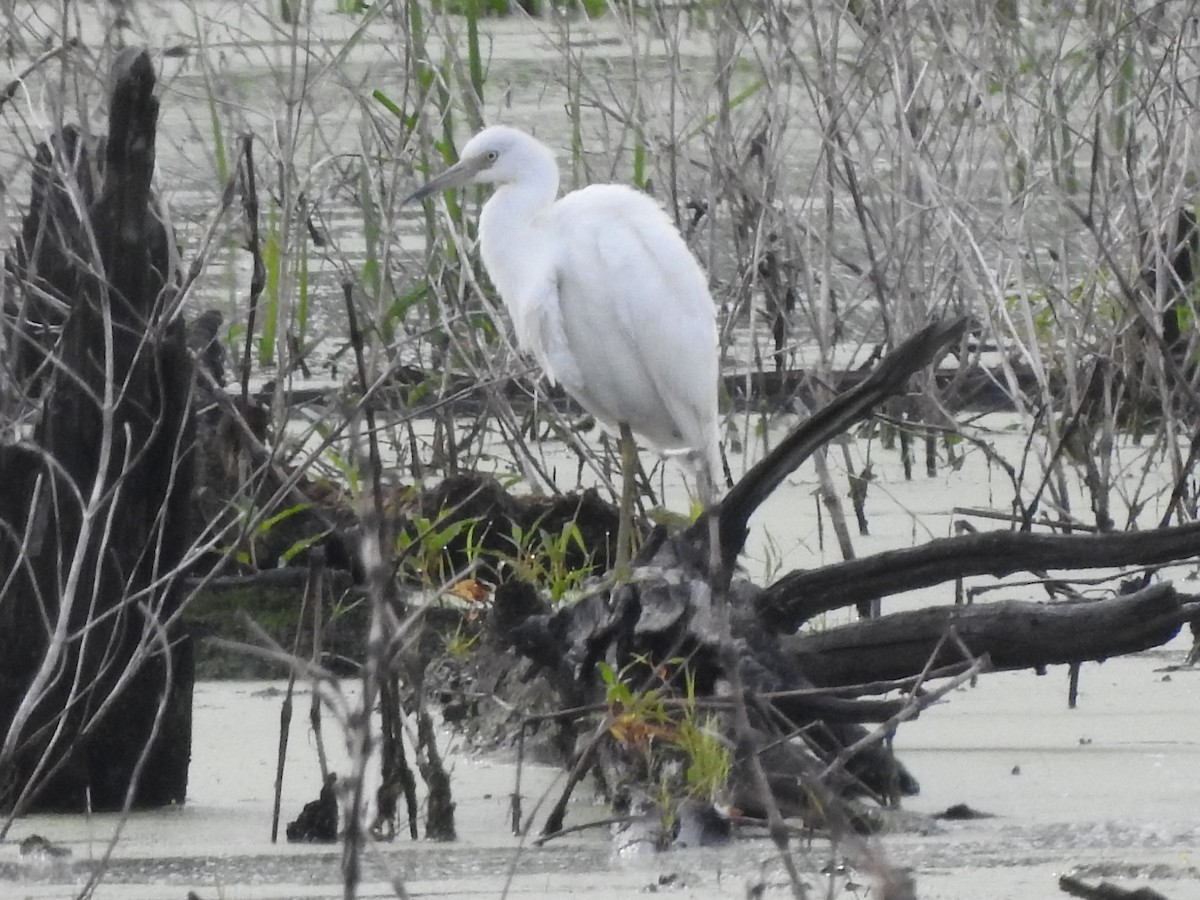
[849, 175]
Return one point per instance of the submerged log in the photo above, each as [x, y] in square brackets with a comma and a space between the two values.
[95, 684]
[1076, 887]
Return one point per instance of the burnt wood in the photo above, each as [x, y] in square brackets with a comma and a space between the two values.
[93, 514]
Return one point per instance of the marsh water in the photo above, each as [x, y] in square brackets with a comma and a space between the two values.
[1107, 790]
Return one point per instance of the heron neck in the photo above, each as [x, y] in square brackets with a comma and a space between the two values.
[506, 228]
[516, 204]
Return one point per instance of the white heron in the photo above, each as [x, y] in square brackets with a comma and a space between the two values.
[604, 293]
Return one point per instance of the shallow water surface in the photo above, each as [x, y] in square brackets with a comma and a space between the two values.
[1107, 789]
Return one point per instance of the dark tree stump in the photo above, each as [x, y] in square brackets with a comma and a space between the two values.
[50, 280]
[93, 516]
[660, 630]
[318, 821]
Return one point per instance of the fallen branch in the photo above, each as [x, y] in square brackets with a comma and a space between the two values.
[889, 378]
[912, 708]
[1014, 634]
[801, 595]
[1105, 891]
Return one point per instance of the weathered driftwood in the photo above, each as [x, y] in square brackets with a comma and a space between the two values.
[888, 379]
[666, 614]
[93, 513]
[799, 596]
[1014, 634]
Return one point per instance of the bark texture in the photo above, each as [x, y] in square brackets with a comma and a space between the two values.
[93, 513]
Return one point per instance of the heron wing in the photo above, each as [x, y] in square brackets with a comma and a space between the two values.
[538, 322]
[635, 316]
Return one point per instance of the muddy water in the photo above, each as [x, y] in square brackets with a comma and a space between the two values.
[1107, 790]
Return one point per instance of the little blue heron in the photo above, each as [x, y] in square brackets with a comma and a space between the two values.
[604, 293]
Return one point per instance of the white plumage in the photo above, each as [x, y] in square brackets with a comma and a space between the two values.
[602, 291]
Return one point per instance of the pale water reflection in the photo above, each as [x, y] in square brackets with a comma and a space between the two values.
[1109, 787]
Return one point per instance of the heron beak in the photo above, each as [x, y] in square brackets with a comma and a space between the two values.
[457, 175]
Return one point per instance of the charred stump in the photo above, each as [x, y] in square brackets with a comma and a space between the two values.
[49, 281]
[95, 676]
[318, 820]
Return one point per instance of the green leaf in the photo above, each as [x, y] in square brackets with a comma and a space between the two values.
[300, 546]
[267, 524]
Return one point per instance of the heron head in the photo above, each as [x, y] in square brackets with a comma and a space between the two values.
[497, 155]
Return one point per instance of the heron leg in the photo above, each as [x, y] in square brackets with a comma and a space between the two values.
[625, 516]
[706, 483]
